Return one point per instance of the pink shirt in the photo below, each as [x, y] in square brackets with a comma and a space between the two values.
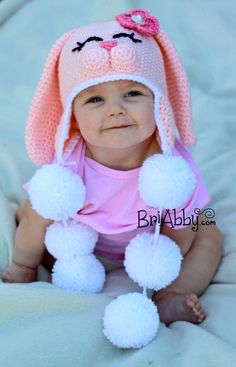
[113, 202]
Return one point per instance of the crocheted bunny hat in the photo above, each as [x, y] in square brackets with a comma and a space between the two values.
[131, 47]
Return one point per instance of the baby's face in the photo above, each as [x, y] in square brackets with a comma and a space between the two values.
[116, 114]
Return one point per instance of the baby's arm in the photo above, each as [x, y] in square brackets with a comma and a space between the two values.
[29, 246]
[202, 251]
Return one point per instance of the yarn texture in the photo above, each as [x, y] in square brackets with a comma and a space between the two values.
[146, 54]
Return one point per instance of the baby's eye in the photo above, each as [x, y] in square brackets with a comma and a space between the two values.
[94, 99]
[133, 93]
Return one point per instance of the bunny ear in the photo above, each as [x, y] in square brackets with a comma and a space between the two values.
[46, 108]
[178, 89]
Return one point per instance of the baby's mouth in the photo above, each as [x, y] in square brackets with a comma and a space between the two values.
[119, 127]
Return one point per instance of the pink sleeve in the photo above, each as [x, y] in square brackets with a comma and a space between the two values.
[183, 216]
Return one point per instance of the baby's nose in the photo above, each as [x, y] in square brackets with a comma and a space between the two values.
[108, 44]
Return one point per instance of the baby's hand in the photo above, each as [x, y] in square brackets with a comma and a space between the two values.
[17, 273]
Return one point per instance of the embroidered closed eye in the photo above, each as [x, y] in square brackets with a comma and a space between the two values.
[130, 35]
[81, 45]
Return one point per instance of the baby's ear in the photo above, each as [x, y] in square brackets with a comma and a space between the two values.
[46, 108]
[178, 88]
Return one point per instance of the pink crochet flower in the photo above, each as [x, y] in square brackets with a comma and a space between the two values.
[139, 20]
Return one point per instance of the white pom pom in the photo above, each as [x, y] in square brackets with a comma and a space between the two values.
[56, 193]
[84, 274]
[152, 266]
[131, 321]
[166, 181]
[70, 241]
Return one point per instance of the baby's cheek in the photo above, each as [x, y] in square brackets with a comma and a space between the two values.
[75, 112]
[90, 132]
[147, 117]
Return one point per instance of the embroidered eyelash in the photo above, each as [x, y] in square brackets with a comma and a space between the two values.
[131, 36]
[81, 45]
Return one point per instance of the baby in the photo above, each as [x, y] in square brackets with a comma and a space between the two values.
[110, 96]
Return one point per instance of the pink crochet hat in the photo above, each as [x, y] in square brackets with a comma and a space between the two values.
[132, 47]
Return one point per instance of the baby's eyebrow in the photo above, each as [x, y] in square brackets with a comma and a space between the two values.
[130, 35]
[81, 45]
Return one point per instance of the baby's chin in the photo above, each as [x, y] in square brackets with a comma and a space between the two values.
[121, 142]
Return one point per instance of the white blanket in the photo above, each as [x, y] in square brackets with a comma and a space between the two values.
[42, 325]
